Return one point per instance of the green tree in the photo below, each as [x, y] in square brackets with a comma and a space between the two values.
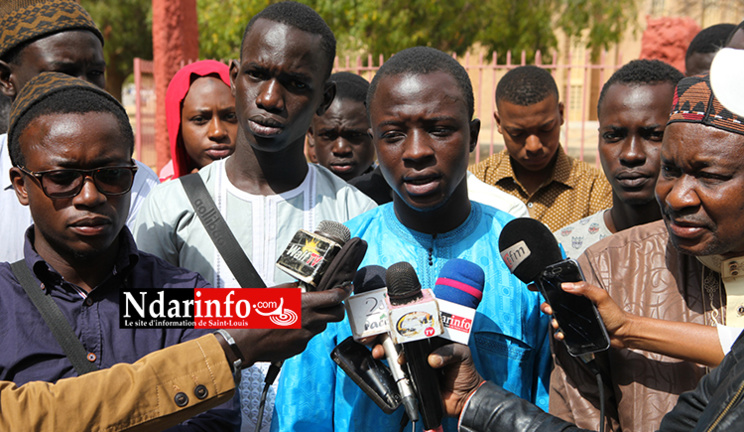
[361, 26]
[221, 25]
[606, 21]
[518, 25]
[387, 26]
[127, 30]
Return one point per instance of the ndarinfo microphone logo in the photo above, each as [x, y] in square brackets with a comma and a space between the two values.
[210, 308]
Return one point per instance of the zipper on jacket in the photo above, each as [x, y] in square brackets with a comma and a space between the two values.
[734, 401]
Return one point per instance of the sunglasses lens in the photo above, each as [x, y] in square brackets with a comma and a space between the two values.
[62, 184]
[68, 183]
[113, 181]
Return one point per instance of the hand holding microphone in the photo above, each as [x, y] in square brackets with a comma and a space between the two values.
[414, 317]
[532, 254]
[308, 255]
[460, 378]
[368, 317]
[275, 345]
[318, 308]
[324, 260]
[410, 313]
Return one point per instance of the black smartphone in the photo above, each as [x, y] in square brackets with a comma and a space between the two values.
[370, 374]
[578, 318]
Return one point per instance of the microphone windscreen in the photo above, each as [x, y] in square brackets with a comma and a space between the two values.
[334, 230]
[369, 278]
[403, 284]
[460, 281]
[527, 246]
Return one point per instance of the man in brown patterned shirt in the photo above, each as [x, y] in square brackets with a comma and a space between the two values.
[686, 268]
[557, 189]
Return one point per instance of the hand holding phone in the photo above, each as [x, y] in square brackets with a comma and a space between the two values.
[578, 318]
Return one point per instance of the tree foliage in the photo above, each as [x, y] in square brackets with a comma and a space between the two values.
[221, 25]
[387, 26]
[518, 25]
[599, 23]
[127, 30]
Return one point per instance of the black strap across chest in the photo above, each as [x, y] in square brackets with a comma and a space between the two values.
[57, 323]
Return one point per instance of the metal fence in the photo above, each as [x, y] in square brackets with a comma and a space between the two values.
[579, 82]
[145, 104]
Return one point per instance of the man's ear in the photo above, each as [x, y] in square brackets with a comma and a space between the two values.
[6, 83]
[310, 136]
[234, 69]
[374, 144]
[329, 92]
[560, 110]
[498, 121]
[475, 126]
[18, 180]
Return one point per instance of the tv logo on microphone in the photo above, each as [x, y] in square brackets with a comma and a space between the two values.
[211, 308]
[307, 253]
[307, 256]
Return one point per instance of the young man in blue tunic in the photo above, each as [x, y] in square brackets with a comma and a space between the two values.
[421, 114]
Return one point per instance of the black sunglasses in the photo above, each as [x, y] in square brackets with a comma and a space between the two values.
[67, 183]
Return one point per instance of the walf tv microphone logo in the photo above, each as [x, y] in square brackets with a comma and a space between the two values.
[210, 308]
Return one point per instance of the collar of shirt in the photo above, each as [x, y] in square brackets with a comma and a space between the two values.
[127, 258]
[561, 169]
[732, 277]
[452, 237]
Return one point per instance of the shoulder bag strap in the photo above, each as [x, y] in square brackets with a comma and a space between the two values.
[223, 239]
[54, 319]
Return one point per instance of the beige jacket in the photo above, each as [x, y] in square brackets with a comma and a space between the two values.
[646, 276]
[136, 397]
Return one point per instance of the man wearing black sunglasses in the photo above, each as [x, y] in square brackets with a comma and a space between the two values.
[52, 36]
[68, 182]
[71, 148]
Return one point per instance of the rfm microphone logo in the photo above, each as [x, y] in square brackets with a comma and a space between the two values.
[210, 308]
[515, 254]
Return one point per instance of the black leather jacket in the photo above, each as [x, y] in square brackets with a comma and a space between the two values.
[715, 405]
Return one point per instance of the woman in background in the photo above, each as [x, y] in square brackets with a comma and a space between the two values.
[200, 114]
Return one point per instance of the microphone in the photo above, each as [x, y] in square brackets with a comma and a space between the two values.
[366, 307]
[306, 258]
[308, 253]
[369, 281]
[533, 255]
[368, 373]
[518, 239]
[414, 317]
[459, 290]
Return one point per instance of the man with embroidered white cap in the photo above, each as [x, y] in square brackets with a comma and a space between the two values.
[700, 192]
